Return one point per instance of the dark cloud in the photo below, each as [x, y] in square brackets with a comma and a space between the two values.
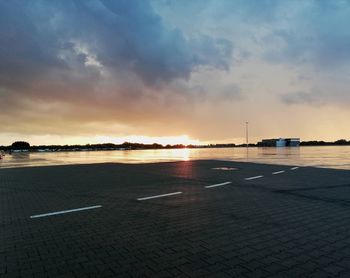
[82, 61]
[41, 36]
[300, 98]
[298, 32]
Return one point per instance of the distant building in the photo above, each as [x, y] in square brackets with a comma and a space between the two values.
[281, 142]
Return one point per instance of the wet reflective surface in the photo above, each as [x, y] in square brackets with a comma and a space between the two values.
[326, 156]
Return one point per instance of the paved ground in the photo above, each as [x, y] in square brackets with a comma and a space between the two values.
[294, 223]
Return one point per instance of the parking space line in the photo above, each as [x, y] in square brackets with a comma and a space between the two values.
[278, 172]
[158, 196]
[64, 211]
[253, 178]
[224, 168]
[294, 168]
[218, 184]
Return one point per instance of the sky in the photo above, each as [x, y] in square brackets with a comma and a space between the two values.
[181, 71]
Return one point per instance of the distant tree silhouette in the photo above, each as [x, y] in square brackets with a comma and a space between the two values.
[20, 145]
[341, 142]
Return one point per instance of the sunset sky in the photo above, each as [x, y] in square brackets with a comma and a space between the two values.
[181, 71]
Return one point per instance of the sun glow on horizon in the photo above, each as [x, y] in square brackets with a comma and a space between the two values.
[98, 139]
[164, 140]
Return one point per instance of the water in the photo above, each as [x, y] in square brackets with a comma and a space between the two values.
[337, 157]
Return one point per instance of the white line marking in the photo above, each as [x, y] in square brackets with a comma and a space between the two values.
[294, 168]
[218, 184]
[64, 211]
[158, 196]
[253, 178]
[278, 172]
[224, 168]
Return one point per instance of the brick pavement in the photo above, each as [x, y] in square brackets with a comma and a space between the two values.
[295, 224]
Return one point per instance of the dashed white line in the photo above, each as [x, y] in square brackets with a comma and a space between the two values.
[278, 172]
[224, 168]
[294, 168]
[218, 184]
[253, 178]
[158, 196]
[63, 211]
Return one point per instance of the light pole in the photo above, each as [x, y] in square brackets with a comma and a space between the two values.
[246, 134]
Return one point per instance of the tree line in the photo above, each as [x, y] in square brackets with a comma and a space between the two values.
[25, 146]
